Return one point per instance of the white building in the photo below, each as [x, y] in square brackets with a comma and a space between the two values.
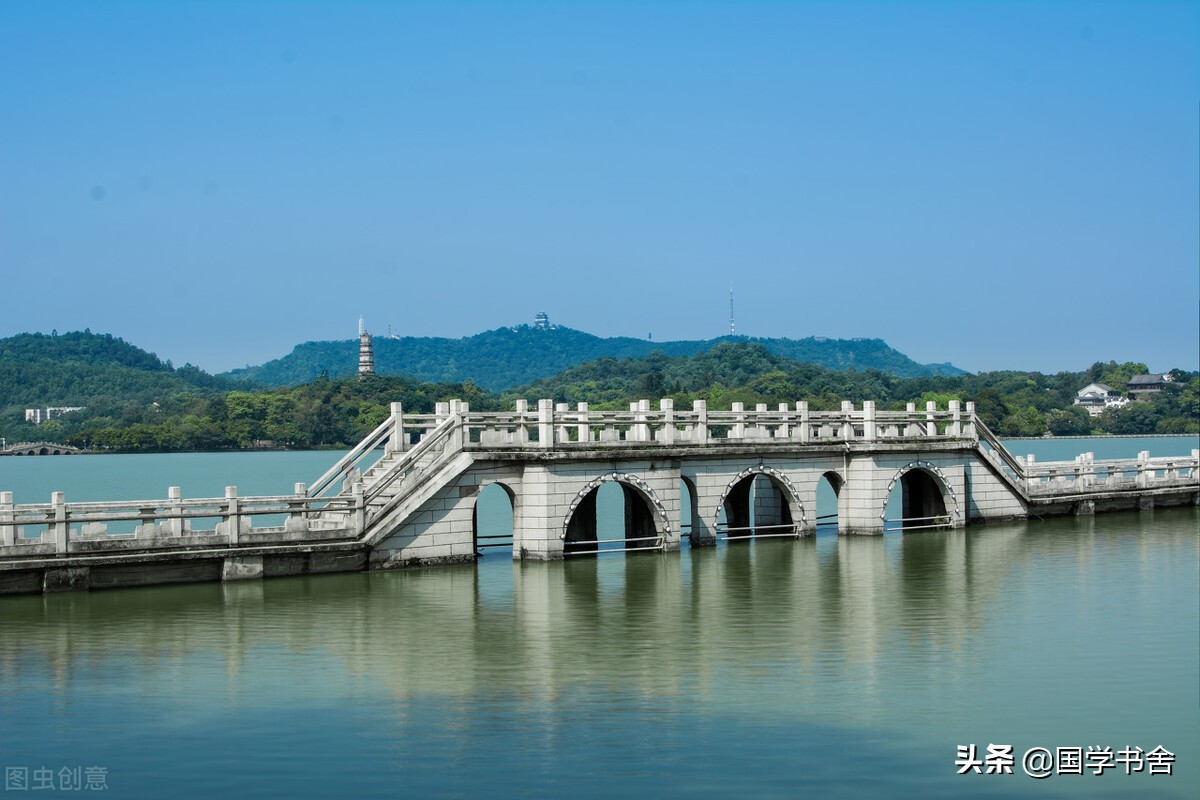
[39, 415]
[1096, 397]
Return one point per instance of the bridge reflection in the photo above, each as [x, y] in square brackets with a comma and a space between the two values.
[642, 625]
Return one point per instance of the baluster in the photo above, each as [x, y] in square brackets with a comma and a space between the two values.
[61, 525]
[583, 429]
[700, 432]
[666, 433]
[522, 431]
[8, 528]
[233, 519]
[805, 426]
[545, 423]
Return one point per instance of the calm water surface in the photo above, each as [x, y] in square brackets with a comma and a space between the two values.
[841, 667]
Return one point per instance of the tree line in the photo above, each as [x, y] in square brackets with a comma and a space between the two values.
[327, 413]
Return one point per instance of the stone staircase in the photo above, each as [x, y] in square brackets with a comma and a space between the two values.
[401, 480]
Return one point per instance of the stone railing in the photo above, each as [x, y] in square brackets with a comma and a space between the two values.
[551, 425]
[1087, 475]
[59, 527]
[376, 476]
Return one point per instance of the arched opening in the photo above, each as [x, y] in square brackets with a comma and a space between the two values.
[492, 521]
[43, 452]
[756, 506]
[917, 501]
[829, 493]
[612, 517]
[689, 511]
[921, 498]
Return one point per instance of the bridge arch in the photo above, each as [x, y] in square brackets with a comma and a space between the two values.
[499, 506]
[927, 495]
[782, 511]
[689, 508]
[823, 515]
[646, 522]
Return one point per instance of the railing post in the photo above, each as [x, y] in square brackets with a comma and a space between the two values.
[560, 413]
[930, 423]
[583, 429]
[956, 419]
[522, 432]
[360, 508]
[805, 425]
[61, 524]
[545, 423]
[174, 521]
[396, 442]
[784, 430]
[643, 410]
[847, 427]
[8, 529]
[1144, 475]
[869, 432]
[756, 424]
[970, 429]
[700, 434]
[739, 425]
[296, 516]
[666, 433]
[233, 519]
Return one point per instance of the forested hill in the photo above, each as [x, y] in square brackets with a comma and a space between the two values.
[79, 368]
[506, 357]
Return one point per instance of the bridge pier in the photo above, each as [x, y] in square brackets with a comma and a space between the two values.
[862, 497]
[242, 568]
[66, 579]
[536, 525]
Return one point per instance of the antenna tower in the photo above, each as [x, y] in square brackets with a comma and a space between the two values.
[731, 326]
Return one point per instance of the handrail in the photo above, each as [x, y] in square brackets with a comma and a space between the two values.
[339, 470]
[985, 434]
[399, 468]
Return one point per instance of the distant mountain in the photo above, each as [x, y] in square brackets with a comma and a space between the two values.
[77, 368]
[507, 357]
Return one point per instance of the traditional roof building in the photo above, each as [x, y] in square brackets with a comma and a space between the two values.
[1141, 386]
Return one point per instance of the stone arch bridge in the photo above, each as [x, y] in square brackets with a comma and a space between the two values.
[39, 449]
[408, 493]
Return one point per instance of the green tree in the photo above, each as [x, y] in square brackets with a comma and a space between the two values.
[1069, 422]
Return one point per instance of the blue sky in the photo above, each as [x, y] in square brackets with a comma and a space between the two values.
[1000, 185]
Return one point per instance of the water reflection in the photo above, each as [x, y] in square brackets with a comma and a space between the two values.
[775, 658]
[660, 625]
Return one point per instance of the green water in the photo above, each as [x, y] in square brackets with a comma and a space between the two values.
[839, 667]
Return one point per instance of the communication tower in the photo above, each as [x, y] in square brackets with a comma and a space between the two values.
[732, 330]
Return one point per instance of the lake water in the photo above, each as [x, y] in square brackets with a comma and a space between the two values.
[841, 667]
